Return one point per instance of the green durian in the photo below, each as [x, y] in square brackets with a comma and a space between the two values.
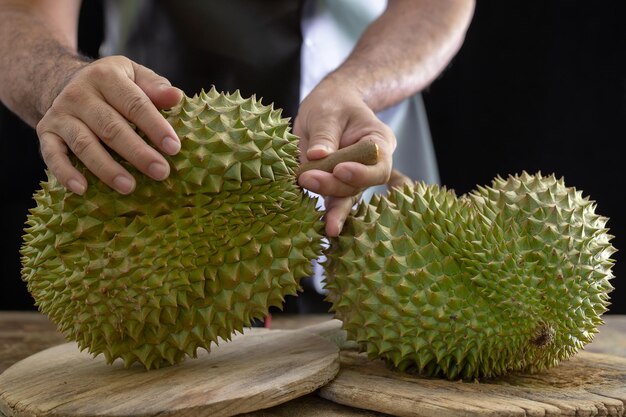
[154, 275]
[512, 277]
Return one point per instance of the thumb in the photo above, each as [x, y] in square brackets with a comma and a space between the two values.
[158, 89]
[324, 137]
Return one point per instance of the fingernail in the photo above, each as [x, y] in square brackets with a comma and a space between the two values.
[123, 184]
[343, 174]
[170, 145]
[76, 187]
[310, 184]
[320, 148]
[158, 171]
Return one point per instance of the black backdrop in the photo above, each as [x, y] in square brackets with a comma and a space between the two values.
[540, 86]
[536, 86]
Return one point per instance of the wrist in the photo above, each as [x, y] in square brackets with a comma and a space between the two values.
[364, 82]
[340, 88]
[61, 74]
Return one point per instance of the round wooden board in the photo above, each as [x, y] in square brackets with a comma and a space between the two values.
[313, 406]
[255, 370]
[589, 384]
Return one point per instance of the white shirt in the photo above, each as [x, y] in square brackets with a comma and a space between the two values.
[330, 29]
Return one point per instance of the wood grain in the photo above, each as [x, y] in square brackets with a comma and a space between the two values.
[588, 384]
[256, 370]
[312, 406]
[25, 333]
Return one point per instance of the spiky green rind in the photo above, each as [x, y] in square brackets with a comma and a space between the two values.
[154, 275]
[513, 277]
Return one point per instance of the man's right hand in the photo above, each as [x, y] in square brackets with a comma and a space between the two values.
[94, 109]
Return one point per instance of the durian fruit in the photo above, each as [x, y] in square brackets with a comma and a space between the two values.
[512, 277]
[154, 275]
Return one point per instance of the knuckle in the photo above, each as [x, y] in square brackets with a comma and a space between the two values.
[42, 126]
[136, 105]
[70, 133]
[97, 69]
[386, 175]
[391, 137]
[55, 159]
[46, 151]
[81, 144]
[378, 174]
[104, 70]
[53, 114]
[322, 134]
[73, 93]
[325, 109]
[323, 137]
[386, 133]
[116, 60]
[55, 164]
[339, 190]
[99, 168]
[140, 152]
[149, 72]
[109, 128]
[385, 137]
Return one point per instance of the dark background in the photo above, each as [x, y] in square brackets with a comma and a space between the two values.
[536, 86]
[540, 86]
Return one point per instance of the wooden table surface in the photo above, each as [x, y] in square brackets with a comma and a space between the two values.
[25, 333]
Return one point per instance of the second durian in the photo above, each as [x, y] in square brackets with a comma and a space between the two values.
[512, 277]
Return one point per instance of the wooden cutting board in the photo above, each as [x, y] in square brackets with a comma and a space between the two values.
[589, 384]
[256, 370]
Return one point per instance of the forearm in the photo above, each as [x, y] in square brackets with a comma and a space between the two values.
[36, 60]
[404, 50]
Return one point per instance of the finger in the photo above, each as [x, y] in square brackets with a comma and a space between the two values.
[362, 176]
[337, 211]
[398, 180]
[326, 184]
[54, 154]
[158, 89]
[117, 134]
[87, 147]
[323, 136]
[132, 103]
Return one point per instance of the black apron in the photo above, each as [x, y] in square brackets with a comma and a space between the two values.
[250, 45]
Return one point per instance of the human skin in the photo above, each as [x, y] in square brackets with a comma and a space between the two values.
[79, 106]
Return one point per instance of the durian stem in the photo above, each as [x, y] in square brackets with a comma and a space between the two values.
[364, 152]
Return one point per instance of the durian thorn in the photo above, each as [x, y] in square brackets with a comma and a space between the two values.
[364, 152]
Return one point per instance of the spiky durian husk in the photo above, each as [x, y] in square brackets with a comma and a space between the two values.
[152, 276]
[511, 277]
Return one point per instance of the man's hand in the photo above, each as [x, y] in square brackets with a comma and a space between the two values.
[398, 55]
[334, 116]
[93, 110]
